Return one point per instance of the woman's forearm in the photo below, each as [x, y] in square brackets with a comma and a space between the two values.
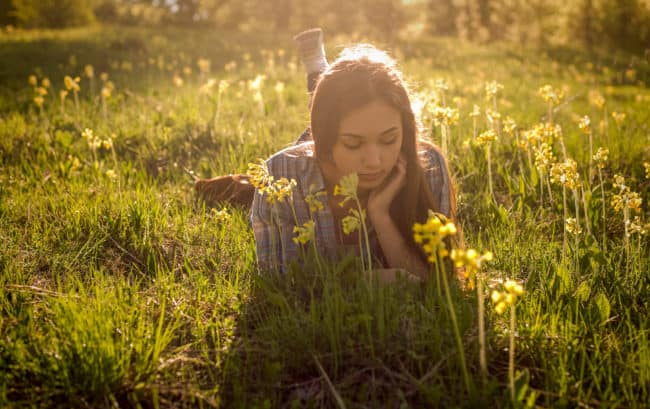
[395, 248]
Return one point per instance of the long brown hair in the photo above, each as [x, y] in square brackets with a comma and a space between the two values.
[360, 75]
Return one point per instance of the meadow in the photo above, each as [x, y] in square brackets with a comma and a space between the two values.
[120, 289]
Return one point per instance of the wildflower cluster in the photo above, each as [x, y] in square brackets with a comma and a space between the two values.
[486, 137]
[551, 95]
[492, 88]
[347, 187]
[600, 157]
[646, 165]
[431, 236]
[444, 115]
[107, 88]
[596, 99]
[572, 226]
[544, 157]
[72, 84]
[509, 126]
[625, 198]
[566, 174]
[40, 91]
[585, 125]
[504, 299]
[220, 215]
[275, 190]
[313, 200]
[352, 222]
[619, 117]
[637, 227]
[471, 260]
[305, 233]
[95, 142]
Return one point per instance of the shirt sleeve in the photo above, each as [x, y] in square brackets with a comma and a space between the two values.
[273, 227]
[437, 174]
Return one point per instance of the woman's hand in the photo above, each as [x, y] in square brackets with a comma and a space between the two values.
[381, 197]
[392, 275]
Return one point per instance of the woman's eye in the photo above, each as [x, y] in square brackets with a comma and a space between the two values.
[390, 141]
[352, 145]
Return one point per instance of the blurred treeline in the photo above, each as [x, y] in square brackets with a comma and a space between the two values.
[613, 24]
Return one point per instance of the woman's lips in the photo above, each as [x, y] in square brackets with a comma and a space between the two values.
[370, 177]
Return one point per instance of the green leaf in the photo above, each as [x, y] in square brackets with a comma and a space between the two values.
[604, 309]
[521, 384]
[583, 292]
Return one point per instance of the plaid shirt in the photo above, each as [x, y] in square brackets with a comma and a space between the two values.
[273, 224]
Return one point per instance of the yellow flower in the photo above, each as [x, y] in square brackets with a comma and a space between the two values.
[62, 94]
[347, 187]
[313, 200]
[636, 227]
[223, 86]
[257, 83]
[596, 99]
[89, 71]
[543, 157]
[509, 126]
[492, 116]
[572, 226]
[39, 100]
[353, 221]
[279, 87]
[444, 115]
[600, 157]
[177, 80]
[41, 91]
[486, 137]
[103, 76]
[431, 235]
[111, 174]
[492, 88]
[259, 174]
[32, 80]
[221, 215]
[45, 82]
[107, 144]
[471, 260]
[500, 308]
[440, 85]
[107, 89]
[646, 165]
[206, 88]
[566, 174]
[280, 190]
[306, 233]
[204, 65]
[549, 94]
[585, 125]
[504, 299]
[71, 84]
[619, 117]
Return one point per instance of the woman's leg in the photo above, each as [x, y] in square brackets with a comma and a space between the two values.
[311, 52]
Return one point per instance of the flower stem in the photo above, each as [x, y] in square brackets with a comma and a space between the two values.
[511, 354]
[459, 341]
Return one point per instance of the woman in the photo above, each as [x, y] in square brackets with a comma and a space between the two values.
[361, 122]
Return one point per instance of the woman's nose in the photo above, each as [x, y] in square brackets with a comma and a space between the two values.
[372, 156]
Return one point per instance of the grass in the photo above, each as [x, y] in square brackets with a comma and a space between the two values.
[118, 288]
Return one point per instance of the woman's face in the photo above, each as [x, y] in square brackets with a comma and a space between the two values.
[369, 144]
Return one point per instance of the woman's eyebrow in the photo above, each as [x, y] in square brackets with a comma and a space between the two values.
[386, 132]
